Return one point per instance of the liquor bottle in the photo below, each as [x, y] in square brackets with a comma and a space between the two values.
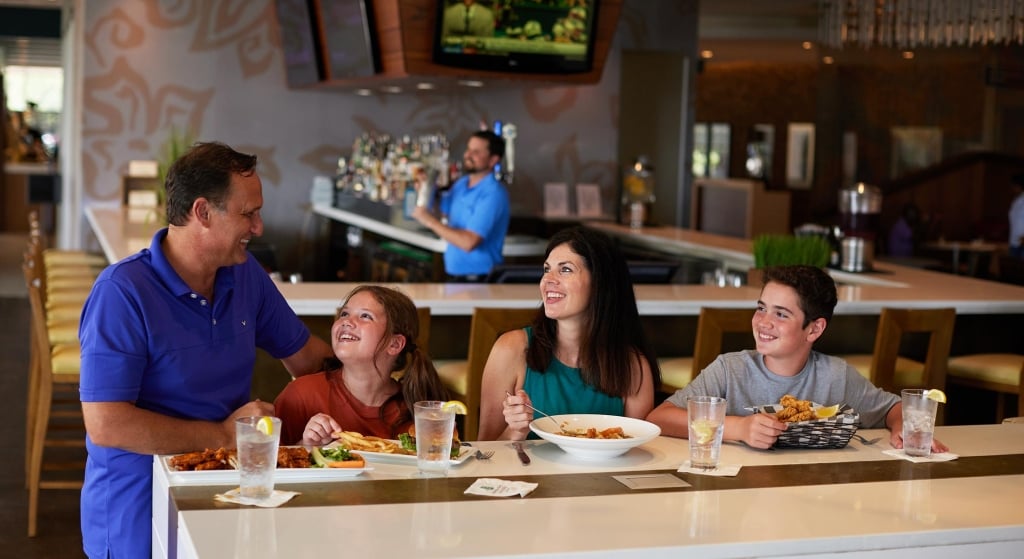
[637, 193]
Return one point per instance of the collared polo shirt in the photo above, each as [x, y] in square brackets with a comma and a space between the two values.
[148, 338]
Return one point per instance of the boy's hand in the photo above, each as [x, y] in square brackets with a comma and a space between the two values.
[759, 430]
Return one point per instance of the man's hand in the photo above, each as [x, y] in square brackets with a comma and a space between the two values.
[256, 408]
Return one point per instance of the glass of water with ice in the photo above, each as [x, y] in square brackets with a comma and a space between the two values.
[257, 439]
[918, 421]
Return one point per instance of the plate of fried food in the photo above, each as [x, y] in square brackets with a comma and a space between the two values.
[390, 451]
[812, 425]
[215, 466]
[594, 436]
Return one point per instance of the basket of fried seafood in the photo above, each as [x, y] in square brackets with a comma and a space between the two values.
[812, 425]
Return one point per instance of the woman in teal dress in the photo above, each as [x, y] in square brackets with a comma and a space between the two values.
[585, 351]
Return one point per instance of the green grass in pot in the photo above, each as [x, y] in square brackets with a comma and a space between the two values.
[787, 250]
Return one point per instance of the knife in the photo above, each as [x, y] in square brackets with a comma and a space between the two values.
[522, 453]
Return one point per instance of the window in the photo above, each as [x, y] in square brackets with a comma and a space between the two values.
[711, 150]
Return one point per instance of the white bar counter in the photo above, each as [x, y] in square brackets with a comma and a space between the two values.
[515, 245]
[859, 294]
[915, 512]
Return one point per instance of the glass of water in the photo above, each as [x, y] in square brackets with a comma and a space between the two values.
[918, 421]
[257, 439]
[434, 427]
[706, 418]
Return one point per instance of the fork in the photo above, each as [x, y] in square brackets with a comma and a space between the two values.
[484, 454]
[559, 427]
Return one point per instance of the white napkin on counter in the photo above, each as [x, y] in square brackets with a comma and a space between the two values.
[933, 457]
[491, 487]
[276, 499]
[723, 470]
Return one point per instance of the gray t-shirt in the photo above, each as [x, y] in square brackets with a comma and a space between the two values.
[742, 379]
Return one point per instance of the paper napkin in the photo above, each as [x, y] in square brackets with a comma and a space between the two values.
[725, 470]
[491, 487]
[933, 457]
[276, 499]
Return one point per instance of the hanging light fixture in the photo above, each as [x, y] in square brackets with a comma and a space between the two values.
[907, 24]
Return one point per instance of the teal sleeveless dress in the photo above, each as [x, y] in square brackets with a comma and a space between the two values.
[561, 390]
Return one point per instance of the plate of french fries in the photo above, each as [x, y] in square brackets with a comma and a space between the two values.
[377, 449]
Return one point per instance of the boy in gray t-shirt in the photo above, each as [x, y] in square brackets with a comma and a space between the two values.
[793, 311]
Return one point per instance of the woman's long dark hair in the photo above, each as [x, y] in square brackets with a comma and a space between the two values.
[614, 337]
[420, 381]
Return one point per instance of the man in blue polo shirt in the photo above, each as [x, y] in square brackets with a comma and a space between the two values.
[169, 340]
[478, 212]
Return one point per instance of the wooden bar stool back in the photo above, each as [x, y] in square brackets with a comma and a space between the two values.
[889, 370]
[463, 378]
[712, 327]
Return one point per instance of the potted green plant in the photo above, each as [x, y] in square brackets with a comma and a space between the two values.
[786, 250]
[176, 144]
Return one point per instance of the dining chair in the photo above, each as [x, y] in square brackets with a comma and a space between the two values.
[1001, 373]
[53, 368]
[889, 370]
[464, 378]
[712, 327]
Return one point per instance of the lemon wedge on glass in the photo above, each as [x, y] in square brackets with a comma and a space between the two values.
[826, 412]
[458, 407]
[265, 425]
[705, 430]
[935, 394]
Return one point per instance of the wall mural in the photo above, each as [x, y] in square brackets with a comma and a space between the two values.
[215, 68]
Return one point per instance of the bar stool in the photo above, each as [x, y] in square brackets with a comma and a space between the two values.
[54, 368]
[712, 327]
[61, 328]
[1002, 373]
[889, 370]
[463, 378]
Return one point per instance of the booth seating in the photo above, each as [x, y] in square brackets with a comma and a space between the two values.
[712, 326]
[886, 368]
[463, 378]
[1002, 373]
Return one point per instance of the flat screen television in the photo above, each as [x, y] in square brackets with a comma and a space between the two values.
[547, 37]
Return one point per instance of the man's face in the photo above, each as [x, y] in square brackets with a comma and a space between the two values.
[239, 220]
[477, 158]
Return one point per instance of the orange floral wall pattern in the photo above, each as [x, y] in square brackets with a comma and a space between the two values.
[215, 67]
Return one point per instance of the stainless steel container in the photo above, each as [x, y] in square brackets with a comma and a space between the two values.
[857, 254]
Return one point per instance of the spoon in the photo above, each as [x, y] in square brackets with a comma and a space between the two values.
[559, 427]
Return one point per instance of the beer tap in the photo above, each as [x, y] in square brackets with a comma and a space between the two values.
[508, 132]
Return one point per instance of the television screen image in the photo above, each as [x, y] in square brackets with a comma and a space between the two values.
[554, 36]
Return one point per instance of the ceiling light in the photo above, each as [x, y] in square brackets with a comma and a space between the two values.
[907, 55]
[807, 45]
[425, 86]
[828, 59]
[706, 54]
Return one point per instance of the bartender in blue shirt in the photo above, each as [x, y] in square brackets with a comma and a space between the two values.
[477, 210]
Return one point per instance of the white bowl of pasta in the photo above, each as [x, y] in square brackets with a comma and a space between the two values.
[594, 437]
